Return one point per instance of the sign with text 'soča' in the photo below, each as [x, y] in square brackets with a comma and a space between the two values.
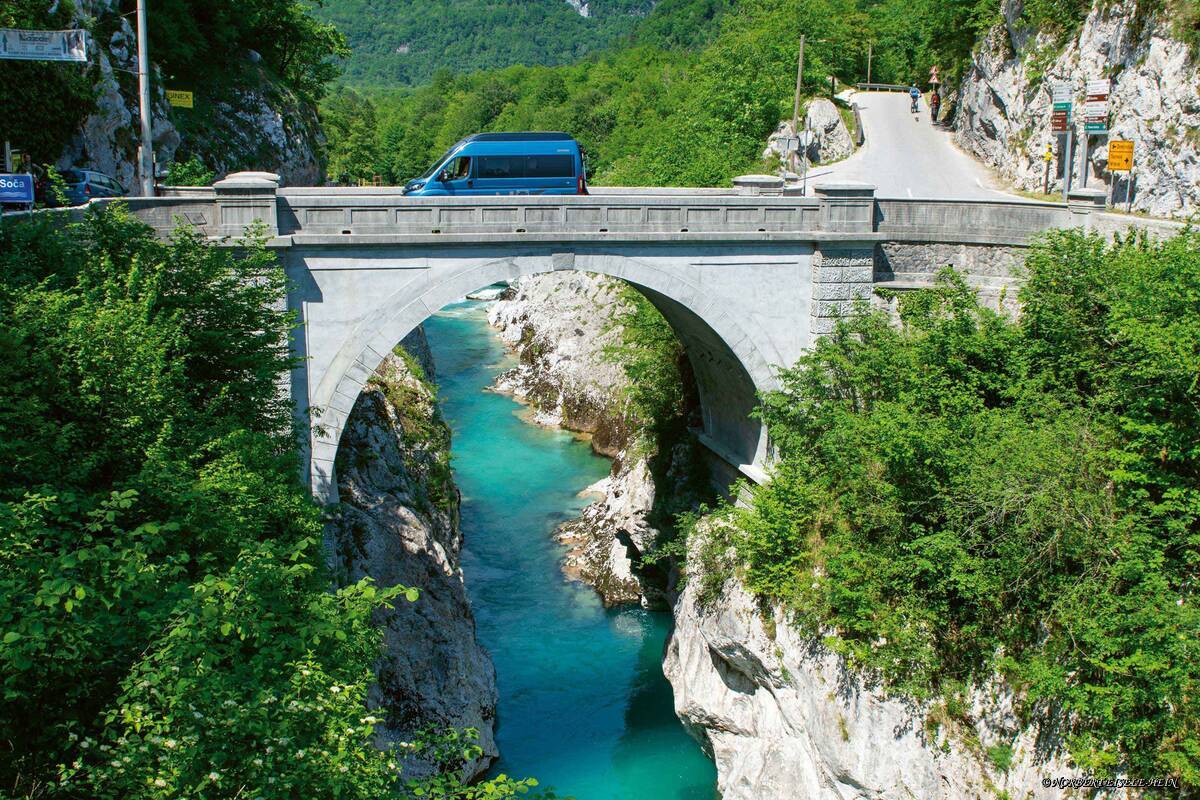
[21, 45]
[16, 189]
[180, 98]
[1120, 155]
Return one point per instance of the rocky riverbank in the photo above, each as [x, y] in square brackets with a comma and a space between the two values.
[399, 523]
[784, 718]
[563, 327]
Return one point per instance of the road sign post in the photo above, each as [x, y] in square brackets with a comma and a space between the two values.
[1061, 123]
[1120, 159]
[1095, 119]
[16, 188]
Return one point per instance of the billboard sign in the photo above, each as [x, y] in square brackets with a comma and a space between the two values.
[23, 45]
[16, 189]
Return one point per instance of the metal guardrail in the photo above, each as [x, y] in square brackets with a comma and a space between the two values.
[881, 87]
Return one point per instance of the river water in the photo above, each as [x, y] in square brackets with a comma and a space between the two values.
[584, 706]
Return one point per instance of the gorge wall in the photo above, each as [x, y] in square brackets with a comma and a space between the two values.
[399, 523]
[564, 328]
[785, 718]
[560, 325]
[1003, 108]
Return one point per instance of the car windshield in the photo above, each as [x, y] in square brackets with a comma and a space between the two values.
[433, 167]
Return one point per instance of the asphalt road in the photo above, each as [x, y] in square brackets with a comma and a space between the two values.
[905, 155]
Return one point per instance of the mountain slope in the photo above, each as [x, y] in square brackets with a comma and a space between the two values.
[403, 42]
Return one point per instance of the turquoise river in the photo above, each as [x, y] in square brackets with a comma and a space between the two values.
[584, 706]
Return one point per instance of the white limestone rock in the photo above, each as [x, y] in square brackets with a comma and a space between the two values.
[831, 139]
[1003, 108]
[399, 524]
[784, 718]
[560, 324]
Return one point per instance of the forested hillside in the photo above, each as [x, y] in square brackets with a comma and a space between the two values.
[688, 99]
[403, 42]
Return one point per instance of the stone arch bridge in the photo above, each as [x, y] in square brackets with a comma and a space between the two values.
[746, 278]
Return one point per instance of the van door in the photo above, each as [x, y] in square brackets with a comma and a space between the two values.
[455, 177]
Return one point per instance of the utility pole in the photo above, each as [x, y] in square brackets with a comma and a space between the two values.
[146, 151]
[870, 52]
[796, 105]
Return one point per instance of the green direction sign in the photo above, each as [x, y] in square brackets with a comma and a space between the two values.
[1063, 106]
[1095, 127]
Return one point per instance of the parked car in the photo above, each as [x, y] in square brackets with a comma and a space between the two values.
[506, 163]
[85, 184]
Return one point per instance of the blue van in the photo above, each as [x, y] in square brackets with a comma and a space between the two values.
[506, 163]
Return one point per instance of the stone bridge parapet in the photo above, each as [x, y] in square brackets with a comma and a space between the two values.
[747, 280]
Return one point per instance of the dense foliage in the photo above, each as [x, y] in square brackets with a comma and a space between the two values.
[167, 623]
[968, 493]
[688, 100]
[403, 42]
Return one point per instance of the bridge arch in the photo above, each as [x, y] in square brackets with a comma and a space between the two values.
[732, 357]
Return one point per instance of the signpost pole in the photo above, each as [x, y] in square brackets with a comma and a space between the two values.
[1067, 158]
[1083, 163]
[1129, 188]
[8, 165]
[870, 53]
[145, 170]
[796, 104]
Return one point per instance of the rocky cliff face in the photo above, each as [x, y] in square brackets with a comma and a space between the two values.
[785, 719]
[1003, 110]
[560, 326]
[399, 524]
[258, 125]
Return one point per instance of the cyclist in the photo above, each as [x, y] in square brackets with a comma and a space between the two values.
[915, 94]
[935, 105]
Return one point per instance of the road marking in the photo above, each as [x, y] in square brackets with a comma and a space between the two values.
[910, 192]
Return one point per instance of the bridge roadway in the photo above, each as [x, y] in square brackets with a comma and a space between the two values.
[746, 280]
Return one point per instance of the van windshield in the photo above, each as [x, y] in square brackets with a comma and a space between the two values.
[433, 167]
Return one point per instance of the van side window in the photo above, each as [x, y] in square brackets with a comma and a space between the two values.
[549, 167]
[501, 167]
[459, 168]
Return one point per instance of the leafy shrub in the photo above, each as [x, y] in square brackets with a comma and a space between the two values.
[167, 625]
[967, 493]
[189, 173]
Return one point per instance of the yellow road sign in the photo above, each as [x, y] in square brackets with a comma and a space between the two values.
[179, 98]
[1120, 155]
